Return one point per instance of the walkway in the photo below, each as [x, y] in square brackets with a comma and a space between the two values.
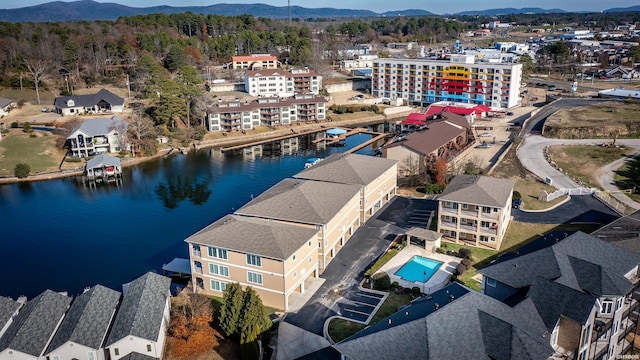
[294, 342]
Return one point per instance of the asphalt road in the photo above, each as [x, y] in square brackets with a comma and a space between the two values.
[580, 209]
[340, 295]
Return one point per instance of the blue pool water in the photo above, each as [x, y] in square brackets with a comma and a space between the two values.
[419, 269]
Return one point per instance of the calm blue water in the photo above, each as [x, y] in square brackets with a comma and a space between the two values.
[419, 269]
[63, 235]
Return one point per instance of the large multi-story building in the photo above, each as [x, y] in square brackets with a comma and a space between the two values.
[255, 61]
[460, 79]
[267, 111]
[282, 83]
[475, 210]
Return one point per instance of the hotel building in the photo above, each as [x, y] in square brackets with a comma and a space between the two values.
[459, 79]
[282, 83]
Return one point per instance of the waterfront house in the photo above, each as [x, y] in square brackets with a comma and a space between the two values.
[140, 325]
[98, 136]
[274, 258]
[8, 310]
[583, 289]
[100, 102]
[332, 209]
[85, 326]
[447, 137]
[31, 331]
[475, 210]
[376, 177]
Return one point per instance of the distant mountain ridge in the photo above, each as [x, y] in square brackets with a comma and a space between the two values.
[89, 10]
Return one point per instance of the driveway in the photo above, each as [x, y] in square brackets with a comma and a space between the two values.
[580, 209]
[340, 295]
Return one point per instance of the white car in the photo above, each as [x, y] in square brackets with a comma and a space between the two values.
[485, 134]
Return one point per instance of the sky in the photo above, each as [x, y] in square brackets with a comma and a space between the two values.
[434, 6]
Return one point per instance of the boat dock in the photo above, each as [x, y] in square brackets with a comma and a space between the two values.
[260, 142]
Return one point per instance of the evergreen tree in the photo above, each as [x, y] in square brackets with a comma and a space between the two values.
[231, 309]
[254, 319]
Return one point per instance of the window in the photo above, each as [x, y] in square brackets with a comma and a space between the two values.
[295, 274]
[218, 253]
[254, 260]
[319, 244]
[254, 277]
[607, 307]
[309, 243]
[465, 206]
[309, 259]
[90, 356]
[294, 257]
[219, 270]
[148, 347]
[619, 303]
[218, 285]
[116, 351]
[491, 282]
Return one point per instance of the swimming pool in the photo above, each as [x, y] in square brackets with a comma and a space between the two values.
[419, 269]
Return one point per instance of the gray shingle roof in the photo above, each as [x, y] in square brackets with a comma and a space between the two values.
[7, 308]
[101, 159]
[478, 190]
[303, 201]
[348, 169]
[581, 262]
[141, 310]
[466, 328]
[137, 356]
[89, 100]
[100, 126]
[4, 102]
[33, 327]
[623, 232]
[88, 319]
[255, 236]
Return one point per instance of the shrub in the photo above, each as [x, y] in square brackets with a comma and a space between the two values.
[14, 124]
[32, 135]
[381, 281]
[440, 250]
[250, 351]
[26, 127]
[22, 170]
[460, 269]
[73, 159]
[4, 131]
[517, 195]
[415, 290]
[394, 285]
[466, 262]
[464, 253]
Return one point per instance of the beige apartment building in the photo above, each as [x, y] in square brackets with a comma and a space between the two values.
[475, 210]
[255, 61]
[274, 258]
[376, 177]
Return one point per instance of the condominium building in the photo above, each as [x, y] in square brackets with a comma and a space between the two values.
[282, 83]
[462, 78]
[475, 210]
[266, 111]
[255, 61]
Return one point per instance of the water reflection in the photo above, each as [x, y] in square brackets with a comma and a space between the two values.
[178, 189]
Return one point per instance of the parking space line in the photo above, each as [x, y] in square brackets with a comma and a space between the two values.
[363, 303]
[357, 312]
[369, 296]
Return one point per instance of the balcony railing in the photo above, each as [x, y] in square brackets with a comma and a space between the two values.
[197, 253]
[198, 270]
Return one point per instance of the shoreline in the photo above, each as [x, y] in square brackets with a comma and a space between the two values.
[232, 140]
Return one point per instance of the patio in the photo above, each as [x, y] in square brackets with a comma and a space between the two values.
[436, 282]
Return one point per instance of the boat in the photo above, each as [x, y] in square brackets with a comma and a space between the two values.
[312, 161]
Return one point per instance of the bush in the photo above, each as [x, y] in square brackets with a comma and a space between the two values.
[464, 253]
[394, 285]
[33, 135]
[415, 290]
[466, 262]
[381, 281]
[460, 269]
[22, 170]
[440, 250]
[73, 159]
[26, 127]
[250, 351]
[517, 195]
[14, 124]
[5, 131]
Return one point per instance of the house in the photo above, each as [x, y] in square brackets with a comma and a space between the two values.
[254, 62]
[452, 323]
[103, 166]
[623, 73]
[8, 310]
[274, 258]
[447, 137]
[475, 210]
[581, 287]
[102, 101]
[84, 329]
[98, 136]
[376, 177]
[282, 83]
[331, 208]
[140, 325]
[29, 334]
[5, 106]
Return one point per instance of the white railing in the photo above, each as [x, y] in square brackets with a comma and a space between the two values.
[575, 191]
[603, 196]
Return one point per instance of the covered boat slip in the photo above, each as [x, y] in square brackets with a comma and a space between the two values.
[103, 167]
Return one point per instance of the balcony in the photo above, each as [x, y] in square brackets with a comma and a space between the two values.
[448, 210]
[197, 269]
[197, 253]
[468, 227]
[489, 231]
[449, 224]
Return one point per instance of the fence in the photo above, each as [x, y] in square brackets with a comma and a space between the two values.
[603, 196]
[564, 191]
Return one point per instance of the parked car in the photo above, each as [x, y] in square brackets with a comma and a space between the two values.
[358, 97]
[483, 146]
[517, 203]
[509, 113]
[45, 109]
[552, 88]
[485, 134]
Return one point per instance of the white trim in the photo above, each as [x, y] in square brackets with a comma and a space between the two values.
[262, 270]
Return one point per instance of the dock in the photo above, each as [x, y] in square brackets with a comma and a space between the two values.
[177, 269]
[260, 142]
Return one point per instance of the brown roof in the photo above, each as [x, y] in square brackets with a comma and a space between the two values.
[254, 236]
[478, 190]
[348, 169]
[437, 134]
[302, 201]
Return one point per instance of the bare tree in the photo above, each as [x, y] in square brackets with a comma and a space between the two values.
[37, 69]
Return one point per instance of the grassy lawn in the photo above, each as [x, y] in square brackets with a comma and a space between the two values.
[478, 256]
[39, 153]
[383, 260]
[581, 162]
[530, 190]
[623, 182]
[340, 329]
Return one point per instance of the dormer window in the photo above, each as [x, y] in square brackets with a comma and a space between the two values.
[70, 102]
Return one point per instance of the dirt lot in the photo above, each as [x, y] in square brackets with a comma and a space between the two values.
[604, 120]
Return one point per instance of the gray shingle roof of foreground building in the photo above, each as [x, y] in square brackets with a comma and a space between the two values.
[348, 169]
[255, 236]
[7, 308]
[88, 319]
[100, 126]
[479, 190]
[623, 232]
[581, 262]
[141, 311]
[34, 325]
[137, 356]
[471, 326]
[89, 100]
[303, 201]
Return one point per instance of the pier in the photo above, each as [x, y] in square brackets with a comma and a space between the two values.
[260, 142]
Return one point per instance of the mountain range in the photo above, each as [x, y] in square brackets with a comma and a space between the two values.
[89, 10]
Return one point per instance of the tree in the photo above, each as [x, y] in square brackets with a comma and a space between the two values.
[37, 69]
[254, 319]
[175, 58]
[189, 80]
[231, 310]
[22, 170]
[440, 170]
[171, 104]
[527, 65]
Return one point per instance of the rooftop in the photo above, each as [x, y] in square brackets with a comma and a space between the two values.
[348, 169]
[100, 126]
[478, 190]
[89, 100]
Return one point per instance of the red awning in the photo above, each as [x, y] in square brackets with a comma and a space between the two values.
[413, 122]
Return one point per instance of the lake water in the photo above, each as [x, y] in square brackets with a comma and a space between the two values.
[64, 235]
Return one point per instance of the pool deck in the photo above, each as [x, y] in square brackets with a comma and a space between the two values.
[436, 282]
